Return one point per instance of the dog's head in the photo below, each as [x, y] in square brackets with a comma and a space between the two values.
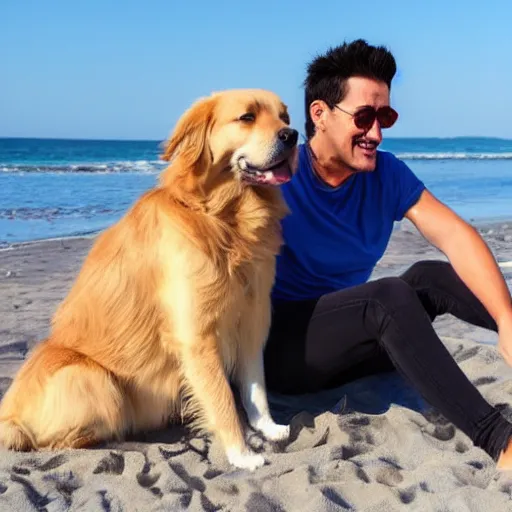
[240, 134]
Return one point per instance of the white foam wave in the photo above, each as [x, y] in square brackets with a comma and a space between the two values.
[454, 156]
[141, 166]
[156, 166]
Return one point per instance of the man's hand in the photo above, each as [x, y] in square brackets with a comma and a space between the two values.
[505, 338]
[471, 259]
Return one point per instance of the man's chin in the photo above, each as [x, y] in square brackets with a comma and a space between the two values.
[364, 161]
[365, 166]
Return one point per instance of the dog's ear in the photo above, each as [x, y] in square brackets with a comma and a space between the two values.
[189, 138]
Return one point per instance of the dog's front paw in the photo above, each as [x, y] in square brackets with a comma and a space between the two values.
[272, 431]
[245, 459]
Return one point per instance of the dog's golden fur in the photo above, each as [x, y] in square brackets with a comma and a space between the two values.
[171, 300]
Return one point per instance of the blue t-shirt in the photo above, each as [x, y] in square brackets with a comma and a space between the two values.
[334, 237]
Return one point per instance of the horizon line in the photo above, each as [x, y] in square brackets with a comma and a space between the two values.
[159, 141]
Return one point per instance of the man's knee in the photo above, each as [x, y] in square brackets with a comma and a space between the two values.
[426, 272]
[392, 292]
[391, 300]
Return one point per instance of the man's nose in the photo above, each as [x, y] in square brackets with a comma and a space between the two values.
[375, 132]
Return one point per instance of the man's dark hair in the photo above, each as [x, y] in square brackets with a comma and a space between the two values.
[327, 74]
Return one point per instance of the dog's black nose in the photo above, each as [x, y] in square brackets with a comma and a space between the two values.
[288, 136]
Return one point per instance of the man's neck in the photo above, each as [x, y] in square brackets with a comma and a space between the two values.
[325, 164]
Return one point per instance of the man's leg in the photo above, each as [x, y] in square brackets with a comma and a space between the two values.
[441, 291]
[379, 320]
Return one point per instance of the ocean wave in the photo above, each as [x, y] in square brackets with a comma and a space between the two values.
[453, 156]
[156, 166]
[141, 166]
[53, 213]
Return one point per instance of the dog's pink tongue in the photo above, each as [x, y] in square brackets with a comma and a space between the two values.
[280, 175]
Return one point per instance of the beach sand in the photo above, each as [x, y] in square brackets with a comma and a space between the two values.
[372, 445]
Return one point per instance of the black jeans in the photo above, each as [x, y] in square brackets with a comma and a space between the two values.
[383, 325]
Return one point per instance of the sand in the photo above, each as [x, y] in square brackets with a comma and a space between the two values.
[372, 445]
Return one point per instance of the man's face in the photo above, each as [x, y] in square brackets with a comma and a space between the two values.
[355, 148]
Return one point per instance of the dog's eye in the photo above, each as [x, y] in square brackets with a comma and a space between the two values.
[285, 118]
[247, 117]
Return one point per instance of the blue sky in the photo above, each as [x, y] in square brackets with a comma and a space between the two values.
[127, 69]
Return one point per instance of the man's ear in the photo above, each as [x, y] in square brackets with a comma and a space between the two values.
[189, 141]
[317, 111]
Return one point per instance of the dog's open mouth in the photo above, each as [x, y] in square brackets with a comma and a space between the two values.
[276, 174]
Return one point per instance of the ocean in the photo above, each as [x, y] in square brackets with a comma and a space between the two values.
[57, 188]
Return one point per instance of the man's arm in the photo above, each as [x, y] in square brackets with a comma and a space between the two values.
[470, 257]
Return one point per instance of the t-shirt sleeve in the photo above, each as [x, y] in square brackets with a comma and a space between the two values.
[406, 187]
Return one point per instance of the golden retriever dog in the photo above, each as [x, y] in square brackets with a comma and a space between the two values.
[172, 304]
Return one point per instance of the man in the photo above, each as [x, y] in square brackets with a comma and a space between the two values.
[331, 325]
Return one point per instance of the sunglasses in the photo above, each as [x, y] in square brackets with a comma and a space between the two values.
[365, 117]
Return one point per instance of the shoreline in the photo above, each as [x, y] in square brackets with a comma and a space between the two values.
[25, 243]
[494, 222]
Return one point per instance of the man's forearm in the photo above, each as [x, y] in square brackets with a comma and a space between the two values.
[475, 264]
[468, 253]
